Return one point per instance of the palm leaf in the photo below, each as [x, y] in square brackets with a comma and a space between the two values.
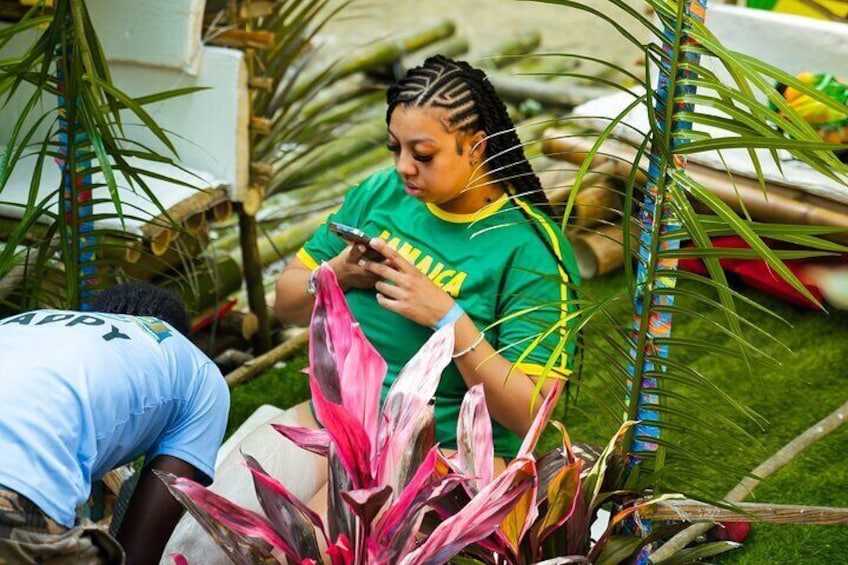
[720, 115]
[95, 144]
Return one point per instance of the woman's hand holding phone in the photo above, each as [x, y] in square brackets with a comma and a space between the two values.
[402, 288]
[346, 264]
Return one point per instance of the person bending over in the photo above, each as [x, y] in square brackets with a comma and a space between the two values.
[84, 392]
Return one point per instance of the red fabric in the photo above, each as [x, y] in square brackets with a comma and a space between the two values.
[756, 273]
[210, 315]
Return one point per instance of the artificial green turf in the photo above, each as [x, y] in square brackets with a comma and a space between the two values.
[810, 385]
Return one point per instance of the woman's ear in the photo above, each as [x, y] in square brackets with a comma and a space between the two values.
[477, 146]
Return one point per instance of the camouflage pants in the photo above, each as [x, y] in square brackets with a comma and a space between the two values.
[28, 536]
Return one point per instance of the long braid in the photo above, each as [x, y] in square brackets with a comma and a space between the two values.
[472, 105]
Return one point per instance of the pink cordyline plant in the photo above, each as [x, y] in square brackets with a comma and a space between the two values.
[385, 473]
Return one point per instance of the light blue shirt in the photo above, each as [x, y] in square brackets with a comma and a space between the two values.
[81, 393]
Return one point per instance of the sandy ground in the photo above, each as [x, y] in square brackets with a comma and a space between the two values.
[485, 23]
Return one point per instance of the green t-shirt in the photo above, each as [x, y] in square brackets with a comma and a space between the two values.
[493, 263]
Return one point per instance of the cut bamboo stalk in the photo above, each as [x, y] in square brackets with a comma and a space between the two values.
[545, 67]
[161, 240]
[601, 251]
[195, 223]
[180, 253]
[208, 282]
[564, 144]
[597, 201]
[450, 47]
[265, 84]
[278, 245]
[243, 324]
[260, 364]
[198, 202]
[341, 114]
[510, 51]
[221, 211]
[377, 55]
[255, 9]
[355, 141]
[241, 39]
[518, 89]
[695, 511]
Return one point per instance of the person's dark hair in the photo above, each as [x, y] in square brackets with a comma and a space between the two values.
[140, 298]
[472, 105]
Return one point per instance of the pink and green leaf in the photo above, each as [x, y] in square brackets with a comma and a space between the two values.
[540, 421]
[341, 552]
[367, 503]
[479, 518]
[293, 521]
[563, 493]
[315, 441]
[353, 447]
[524, 512]
[245, 536]
[475, 448]
[409, 395]
[348, 368]
[394, 531]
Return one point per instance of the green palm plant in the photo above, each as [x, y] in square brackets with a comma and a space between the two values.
[58, 92]
[644, 374]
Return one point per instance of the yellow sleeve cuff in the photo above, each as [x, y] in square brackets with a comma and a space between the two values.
[536, 370]
[307, 259]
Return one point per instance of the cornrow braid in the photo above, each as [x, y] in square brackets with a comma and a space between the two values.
[472, 105]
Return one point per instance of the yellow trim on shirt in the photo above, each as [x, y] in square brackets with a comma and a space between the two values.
[563, 288]
[535, 370]
[483, 212]
[307, 259]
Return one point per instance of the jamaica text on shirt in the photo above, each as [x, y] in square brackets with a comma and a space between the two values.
[449, 280]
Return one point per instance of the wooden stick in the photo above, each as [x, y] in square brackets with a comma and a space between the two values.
[695, 511]
[253, 368]
[242, 39]
[252, 268]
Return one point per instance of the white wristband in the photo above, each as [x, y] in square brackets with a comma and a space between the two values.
[470, 348]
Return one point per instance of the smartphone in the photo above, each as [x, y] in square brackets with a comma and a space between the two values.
[356, 236]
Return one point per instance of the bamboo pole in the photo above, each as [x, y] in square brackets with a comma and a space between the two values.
[354, 142]
[260, 364]
[510, 51]
[784, 456]
[696, 511]
[252, 268]
[518, 89]
[601, 250]
[450, 47]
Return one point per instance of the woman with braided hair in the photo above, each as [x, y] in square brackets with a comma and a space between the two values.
[466, 233]
[463, 235]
